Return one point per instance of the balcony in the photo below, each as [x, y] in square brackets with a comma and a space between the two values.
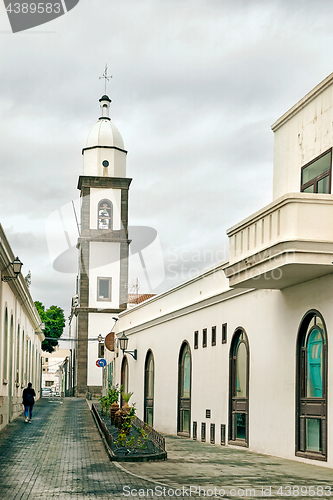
[287, 242]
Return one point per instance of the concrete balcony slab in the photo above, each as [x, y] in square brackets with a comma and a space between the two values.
[288, 242]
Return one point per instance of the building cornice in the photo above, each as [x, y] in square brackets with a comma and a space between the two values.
[303, 102]
[196, 306]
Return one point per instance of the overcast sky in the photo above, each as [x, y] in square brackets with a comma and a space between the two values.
[196, 86]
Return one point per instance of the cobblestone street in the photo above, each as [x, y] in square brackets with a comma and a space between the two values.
[60, 455]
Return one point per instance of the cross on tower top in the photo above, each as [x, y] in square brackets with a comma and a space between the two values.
[105, 76]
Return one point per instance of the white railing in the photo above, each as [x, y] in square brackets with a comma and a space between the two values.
[293, 217]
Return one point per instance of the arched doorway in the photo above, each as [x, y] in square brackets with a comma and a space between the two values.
[184, 391]
[311, 387]
[149, 389]
[239, 389]
[124, 378]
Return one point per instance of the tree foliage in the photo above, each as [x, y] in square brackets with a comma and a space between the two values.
[54, 320]
[27, 279]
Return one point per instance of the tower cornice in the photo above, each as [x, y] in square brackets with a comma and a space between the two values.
[92, 181]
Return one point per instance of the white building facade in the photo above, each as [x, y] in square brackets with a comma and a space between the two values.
[20, 338]
[51, 373]
[242, 354]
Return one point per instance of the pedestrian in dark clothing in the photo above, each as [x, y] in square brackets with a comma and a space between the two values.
[28, 402]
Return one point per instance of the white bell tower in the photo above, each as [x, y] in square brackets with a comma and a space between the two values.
[103, 243]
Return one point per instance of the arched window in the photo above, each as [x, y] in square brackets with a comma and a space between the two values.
[17, 379]
[105, 214]
[311, 388]
[11, 367]
[124, 377]
[149, 389]
[184, 390]
[5, 347]
[239, 389]
[22, 358]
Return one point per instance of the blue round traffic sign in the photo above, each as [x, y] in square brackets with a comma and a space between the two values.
[101, 362]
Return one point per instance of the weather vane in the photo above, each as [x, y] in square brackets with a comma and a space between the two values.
[105, 76]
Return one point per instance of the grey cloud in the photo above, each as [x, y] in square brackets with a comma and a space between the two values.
[195, 88]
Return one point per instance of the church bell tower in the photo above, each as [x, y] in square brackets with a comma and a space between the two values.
[103, 244]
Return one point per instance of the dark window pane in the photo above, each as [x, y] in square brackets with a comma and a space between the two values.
[150, 417]
[241, 426]
[309, 189]
[316, 168]
[185, 417]
[214, 335]
[104, 288]
[241, 388]
[313, 434]
[314, 365]
[204, 337]
[150, 378]
[323, 186]
[224, 333]
[185, 392]
[100, 350]
[196, 340]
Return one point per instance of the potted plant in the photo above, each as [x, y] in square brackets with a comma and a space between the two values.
[126, 397]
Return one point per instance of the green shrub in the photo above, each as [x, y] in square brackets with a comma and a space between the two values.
[111, 397]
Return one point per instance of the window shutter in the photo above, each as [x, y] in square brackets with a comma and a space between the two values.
[323, 436]
[302, 434]
[233, 427]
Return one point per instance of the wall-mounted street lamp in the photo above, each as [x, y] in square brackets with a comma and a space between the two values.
[16, 266]
[123, 343]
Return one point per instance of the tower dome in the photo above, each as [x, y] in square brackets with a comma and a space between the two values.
[104, 154]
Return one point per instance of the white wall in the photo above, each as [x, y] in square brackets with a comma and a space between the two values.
[300, 136]
[98, 323]
[271, 320]
[23, 353]
[93, 158]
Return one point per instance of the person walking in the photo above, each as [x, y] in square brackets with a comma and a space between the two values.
[28, 402]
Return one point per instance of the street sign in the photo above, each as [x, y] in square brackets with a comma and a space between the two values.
[101, 363]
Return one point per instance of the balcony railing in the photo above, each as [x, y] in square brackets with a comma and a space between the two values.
[289, 241]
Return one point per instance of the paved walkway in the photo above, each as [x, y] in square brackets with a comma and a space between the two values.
[234, 472]
[61, 456]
